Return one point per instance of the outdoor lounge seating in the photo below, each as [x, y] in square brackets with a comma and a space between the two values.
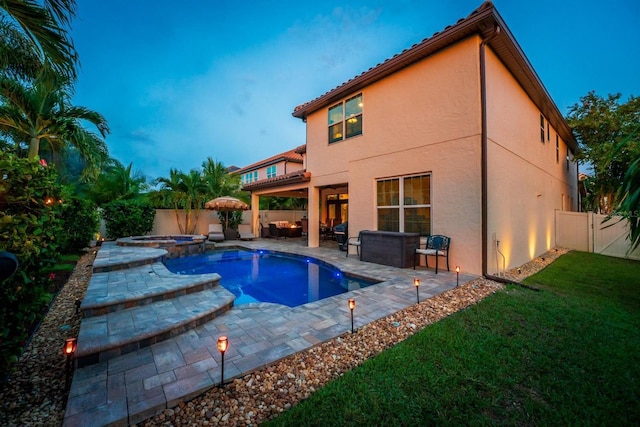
[341, 238]
[215, 233]
[244, 230]
[355, 241]
[437, 246]
[341, 233]
[274, 231]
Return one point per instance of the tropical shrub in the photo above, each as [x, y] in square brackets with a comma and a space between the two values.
[235, 219]
[81, 222]
[128, 218]
[29, 228]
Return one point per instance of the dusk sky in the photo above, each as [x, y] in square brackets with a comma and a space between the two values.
[182, 81]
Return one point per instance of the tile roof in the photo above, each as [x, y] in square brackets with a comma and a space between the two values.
[287, 178]
[389, 66]
[483, 22]
[293, 155]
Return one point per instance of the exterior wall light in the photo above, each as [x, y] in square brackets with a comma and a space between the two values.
[352, 305]
[416, 283]
[223, 344]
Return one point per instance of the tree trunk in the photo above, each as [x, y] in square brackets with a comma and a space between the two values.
[187, 221]
[175, 209]
[194, 223]
[34, 147]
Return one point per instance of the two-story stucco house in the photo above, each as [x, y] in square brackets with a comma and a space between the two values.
[281, 167]
[457, 136]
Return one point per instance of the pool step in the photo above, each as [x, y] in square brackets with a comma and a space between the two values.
[106, 336]
[111, 257]
[140, 286]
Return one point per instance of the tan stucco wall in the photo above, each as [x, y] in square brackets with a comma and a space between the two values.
[282, 167]
[166, 223]
[427, 119]
[424, 119]
[525, 181]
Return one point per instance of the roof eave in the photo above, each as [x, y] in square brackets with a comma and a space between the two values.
[481, 23]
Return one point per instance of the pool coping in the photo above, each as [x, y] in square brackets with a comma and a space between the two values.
[131, 388]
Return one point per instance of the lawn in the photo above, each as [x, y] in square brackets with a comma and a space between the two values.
[567, 354]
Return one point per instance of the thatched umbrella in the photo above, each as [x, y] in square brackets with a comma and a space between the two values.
[226, 204]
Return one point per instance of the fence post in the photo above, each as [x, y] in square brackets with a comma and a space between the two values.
[591, 231]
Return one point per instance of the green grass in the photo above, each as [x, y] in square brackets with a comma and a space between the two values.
[566, 355]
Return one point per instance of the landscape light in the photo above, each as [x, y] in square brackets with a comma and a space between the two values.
[223, 343]
[457, 275]
[352, 305]
[70, 345]
[416, 283]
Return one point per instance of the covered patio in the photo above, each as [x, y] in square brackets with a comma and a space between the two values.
[327, 206]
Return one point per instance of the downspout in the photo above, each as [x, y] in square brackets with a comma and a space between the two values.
[484, 148]
[484, 166]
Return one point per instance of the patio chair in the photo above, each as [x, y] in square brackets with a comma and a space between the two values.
[215, 233]
[341, 232]
[274, 231]
[341, 238]
[244, 230]
[355, 241]
[437, 246]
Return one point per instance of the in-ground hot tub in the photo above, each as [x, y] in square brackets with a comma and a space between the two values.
[176, 245]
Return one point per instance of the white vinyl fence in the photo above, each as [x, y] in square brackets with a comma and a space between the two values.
[584, 231]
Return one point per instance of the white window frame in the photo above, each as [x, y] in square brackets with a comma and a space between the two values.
[401, 206]
[249, 177]
[272, 171]
[344, 119]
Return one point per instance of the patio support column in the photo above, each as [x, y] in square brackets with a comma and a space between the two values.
[313, 213]
[255, 211]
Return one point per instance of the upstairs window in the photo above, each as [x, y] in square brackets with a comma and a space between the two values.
[345, 119]
[557, 149]
[569, 156]
[271, 171]
[250, 177]
[541, 128]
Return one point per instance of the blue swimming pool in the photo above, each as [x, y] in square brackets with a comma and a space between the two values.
[265, 276]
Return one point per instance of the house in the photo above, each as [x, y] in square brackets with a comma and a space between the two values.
[276, 174]
[455, 135]
[276, 168]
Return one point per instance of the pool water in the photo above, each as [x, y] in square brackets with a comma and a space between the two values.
[264, 276]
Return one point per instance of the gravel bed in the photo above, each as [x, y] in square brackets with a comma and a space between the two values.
[35, 393]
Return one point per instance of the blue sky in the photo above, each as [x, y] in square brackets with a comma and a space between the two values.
[182, 81]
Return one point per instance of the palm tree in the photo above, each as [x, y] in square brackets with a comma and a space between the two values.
[219, 181]
[42, 112]
[117, 182]
[45, 28]
[18, 59]
[184, 191]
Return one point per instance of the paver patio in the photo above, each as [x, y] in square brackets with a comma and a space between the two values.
[129, 388]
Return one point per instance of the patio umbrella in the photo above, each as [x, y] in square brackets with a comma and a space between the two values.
[226, 204]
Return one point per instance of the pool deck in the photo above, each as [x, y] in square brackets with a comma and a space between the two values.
[127, 387]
